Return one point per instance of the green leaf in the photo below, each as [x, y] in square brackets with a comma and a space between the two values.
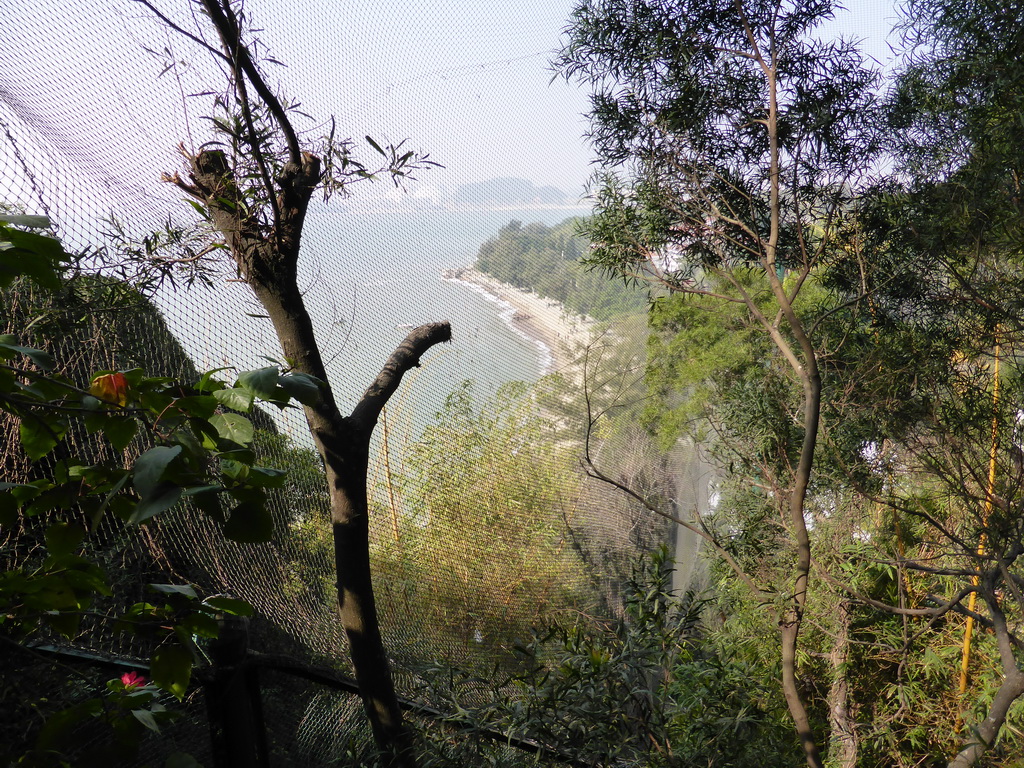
[171, 669]
[42, 359]
[304, 388]
[201, 624]
[161, 498]
[120, 430]
[209, 384]
[120, 483]
[63, 538]
[262, 381]
[236, 398]
[207, 498]
[376, 146]
[59, 728]
[175, 589]
[233, 427]
[234, 470]
[241, 455]
[40, 436]
[27, 253]
[229, 605]
[6, 486]
[64, 622]
[250, 523]
[53, 388]
[267, 477]
[145, 717]
[150, 467]
[203, 406]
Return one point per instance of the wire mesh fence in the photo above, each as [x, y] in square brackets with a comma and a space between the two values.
[480, 529]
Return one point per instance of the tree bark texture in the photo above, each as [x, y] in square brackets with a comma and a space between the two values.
[985, 734]
[268, 262]
[842, 751]
[792, 619]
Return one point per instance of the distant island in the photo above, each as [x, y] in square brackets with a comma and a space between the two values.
[508, 192]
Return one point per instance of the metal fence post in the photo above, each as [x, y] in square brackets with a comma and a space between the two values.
[237, 731]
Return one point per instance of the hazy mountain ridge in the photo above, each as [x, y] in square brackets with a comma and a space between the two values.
[508, 192]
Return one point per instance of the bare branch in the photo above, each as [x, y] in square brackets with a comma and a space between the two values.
[406, 356]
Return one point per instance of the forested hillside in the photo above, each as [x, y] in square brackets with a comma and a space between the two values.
[547, 260]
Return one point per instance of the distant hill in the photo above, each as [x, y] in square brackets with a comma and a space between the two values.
[509, 192]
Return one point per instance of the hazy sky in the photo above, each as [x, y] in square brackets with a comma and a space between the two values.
[469, 81]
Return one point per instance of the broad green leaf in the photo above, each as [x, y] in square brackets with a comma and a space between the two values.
[243, 455]
[120, 430]
[8, 510]
[63, 538]
[234, 470]
[201, 490]
[233, 427]
[40, 436]
[203, 406]
[262, 381]
[250, 524]
[145, 717]
[88, 577]
[53, 388]
[304, 388]
[150, 467]
[42, 359]
[23, 493]
[207, 499]
[267, 477]
[236, 398]
[201, 624]
[175, 589]
[109, 499]
[162, 497]
[229, 605]
[171, 669]
[27, 253]
[61, 727]
[64, 622]
[209, 384]
[6, 486]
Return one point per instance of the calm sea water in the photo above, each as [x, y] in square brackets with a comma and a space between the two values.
[368, 278]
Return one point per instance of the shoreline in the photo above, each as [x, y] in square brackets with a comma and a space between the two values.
[556, 331]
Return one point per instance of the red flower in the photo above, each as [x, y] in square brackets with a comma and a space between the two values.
[112, 387]
[132, 680]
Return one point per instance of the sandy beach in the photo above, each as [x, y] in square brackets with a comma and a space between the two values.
[543, 320]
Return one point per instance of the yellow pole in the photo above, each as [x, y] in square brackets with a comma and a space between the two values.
[387, 475]
[989, 494]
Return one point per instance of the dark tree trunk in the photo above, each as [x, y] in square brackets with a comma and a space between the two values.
[269, 264]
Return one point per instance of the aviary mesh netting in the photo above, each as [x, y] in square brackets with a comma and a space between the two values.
[95, 98]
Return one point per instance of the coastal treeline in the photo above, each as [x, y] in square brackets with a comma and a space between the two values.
[546, 260]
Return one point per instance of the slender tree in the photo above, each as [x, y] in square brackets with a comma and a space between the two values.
[256, 195]
[732, 142]
[943, 325]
